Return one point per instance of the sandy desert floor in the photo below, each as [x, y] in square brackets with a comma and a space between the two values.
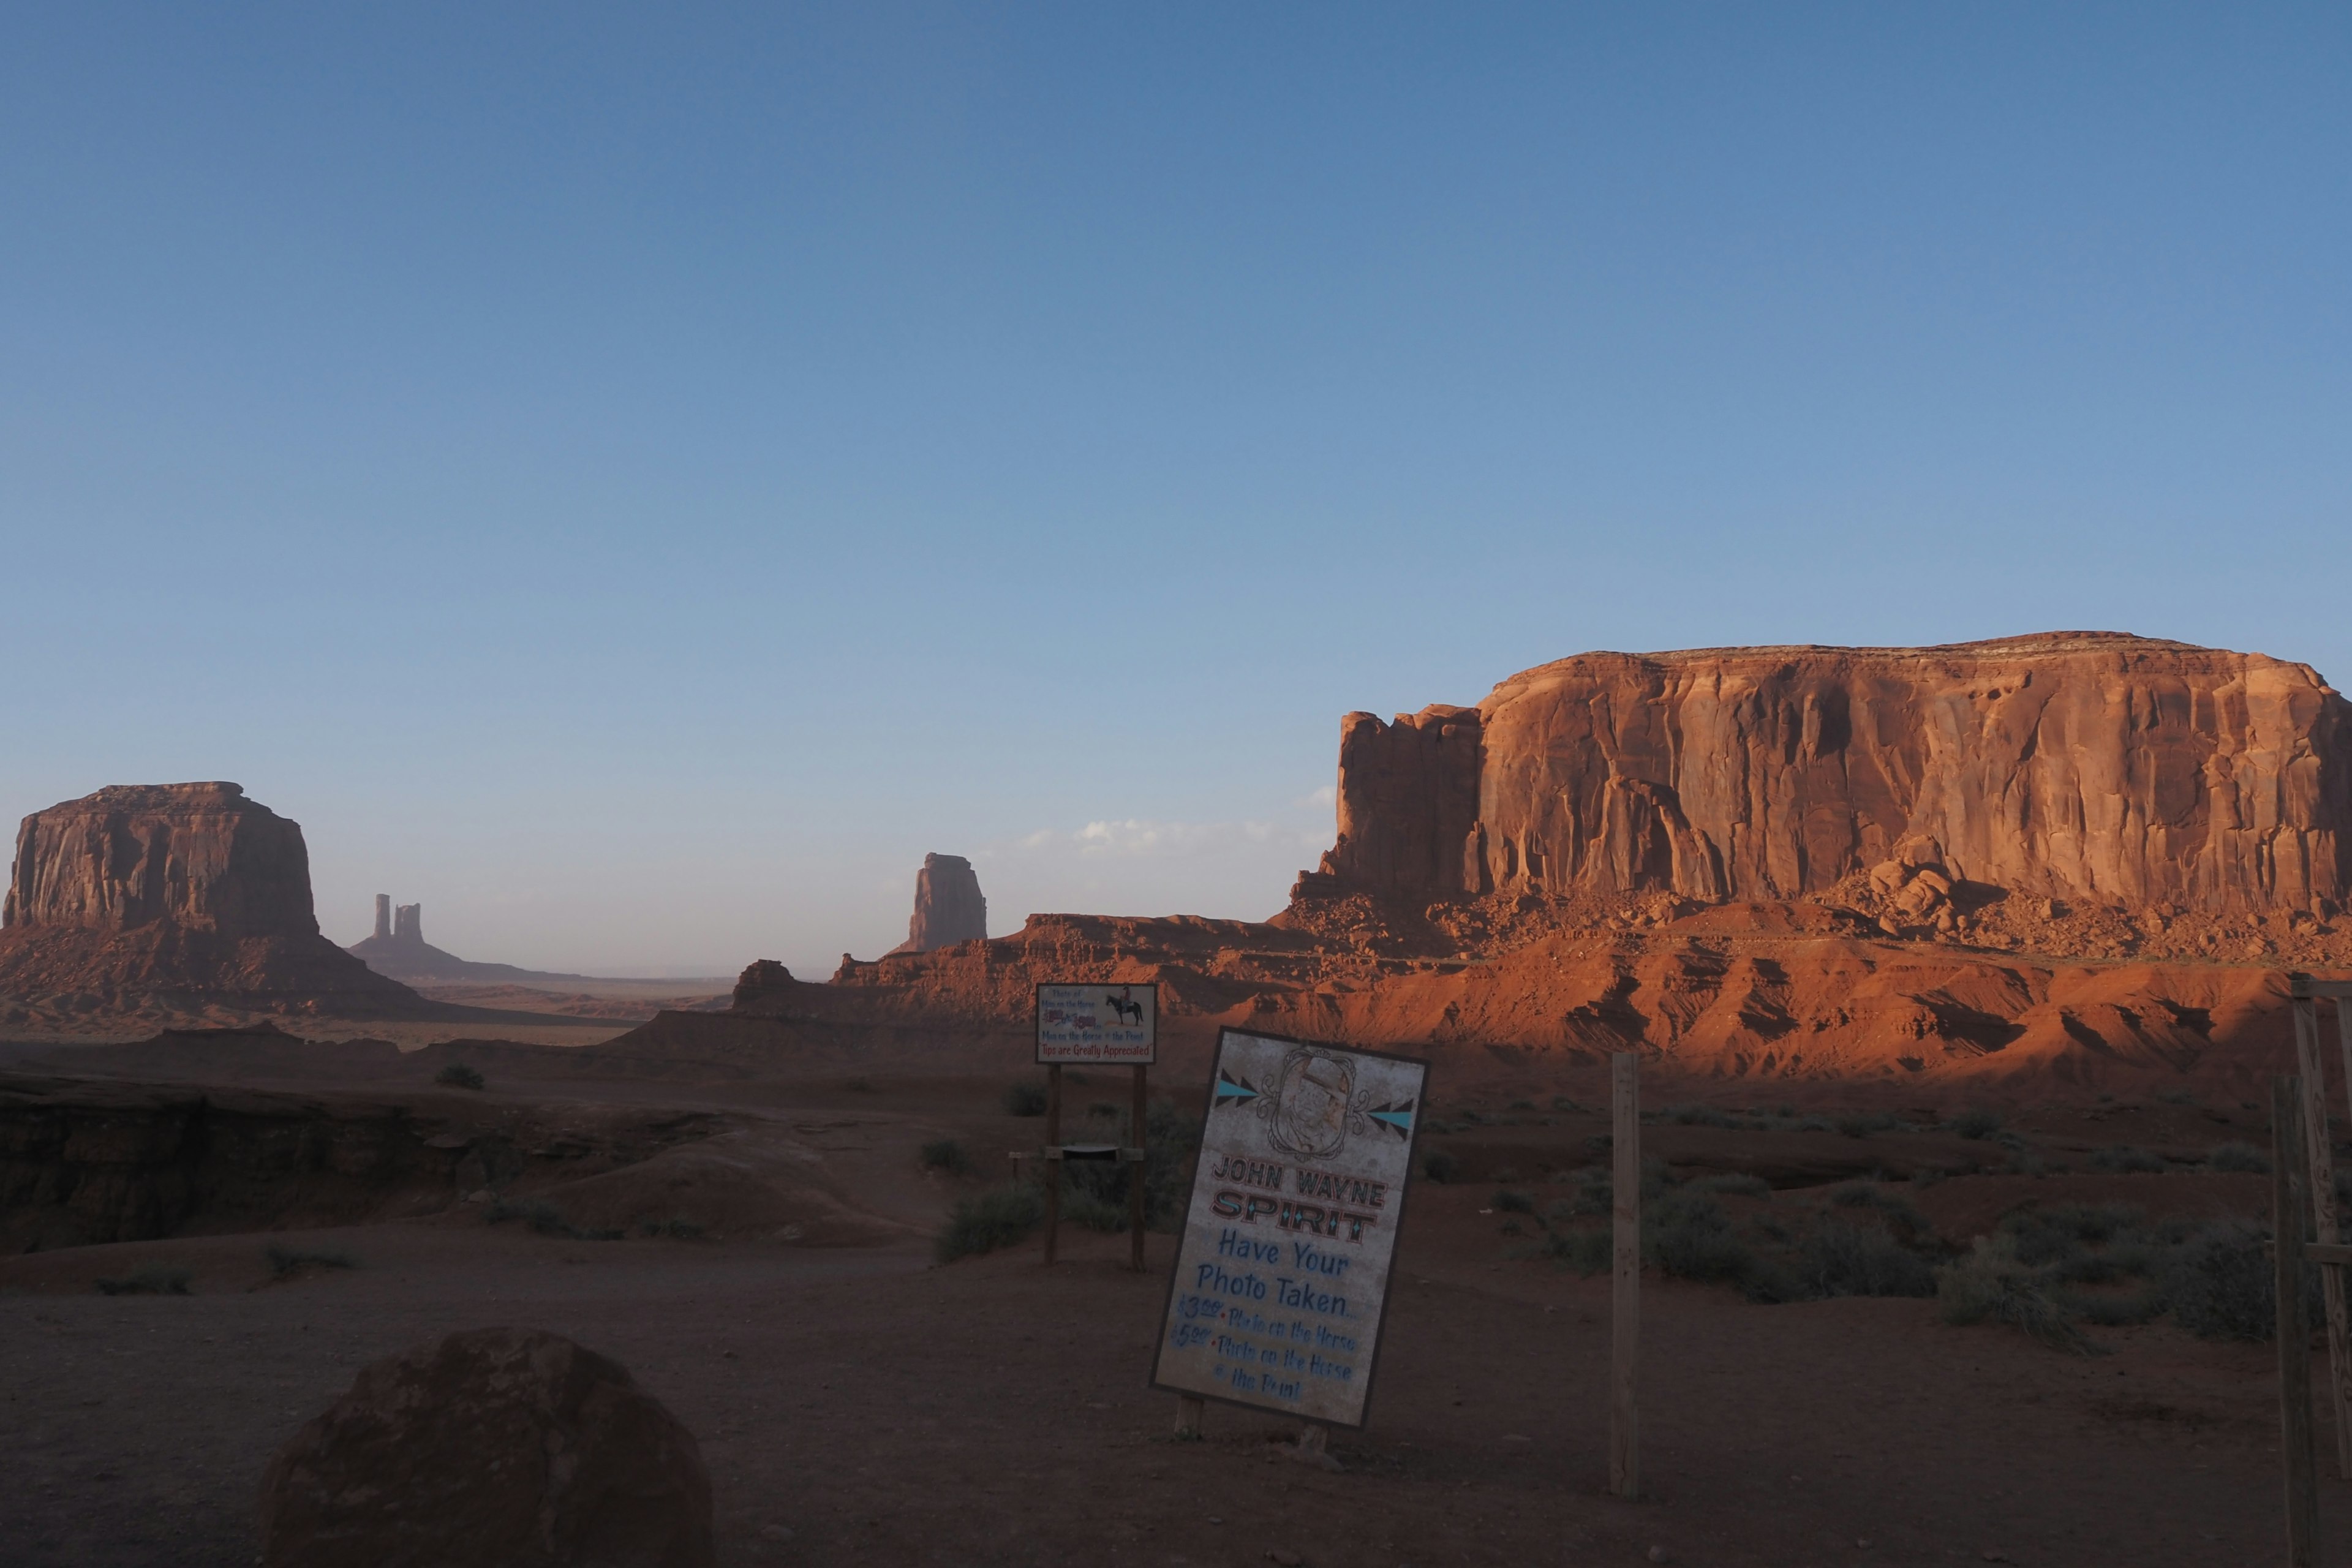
[856, 1403]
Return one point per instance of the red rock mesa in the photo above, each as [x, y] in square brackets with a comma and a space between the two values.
[947, 906]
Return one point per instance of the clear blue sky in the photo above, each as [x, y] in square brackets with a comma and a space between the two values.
[634, 480]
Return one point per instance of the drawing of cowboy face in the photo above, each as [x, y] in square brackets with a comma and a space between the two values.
[1310, 1108]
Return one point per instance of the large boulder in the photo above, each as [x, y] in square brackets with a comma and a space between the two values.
[501, 1447]
[2118, 770]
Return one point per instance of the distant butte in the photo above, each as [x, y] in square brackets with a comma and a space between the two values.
[949, 908]
[398, 949]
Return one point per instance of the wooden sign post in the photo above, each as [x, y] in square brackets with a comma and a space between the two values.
[2290, 1215]
[1626, 1292]
[1282, 1273]
[1108, 1024]
[2319, 1153]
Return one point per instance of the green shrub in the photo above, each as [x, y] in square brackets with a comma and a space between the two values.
[947, 1154]
[1741, 1182]
[2221, 1286]
[1562, 1102]
[2125, 1159]
[1025, 1099]
[1991, 1283]
[2243, 1157]
[458, 1075]
[284, 1259]
[155, 1279]
[1977, 1122]
[1700, 1116]
[1439, 1166]
[1094, 1191]
[1522, 1105]
[1511, 1202]
[1862, 1124]
[1843, 1259]
[1001, 1217]
[1688, 1236]
[1589, 1252]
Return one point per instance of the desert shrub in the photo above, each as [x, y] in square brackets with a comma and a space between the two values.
[458, 1075]
[2125, 1310]
[1688, 1236]
[2243, 1157]
[1523, 1105]
[1589, 1252]
[674, 1228]
[1741, 1182]
[1001, 1217]
[1103, 1108]
[1814, 1124]
[1700, 1116]
[546, 1220]
[1977, 1122]
[1862, 1124]
[1512, 1202]
[284, 1259]
[1991, 1284]
[1562, 1102]
[1439, 1166]
[2025, 1162]
[947, 1154]
[2125, 1159]
[2221, 1286]
[1472, 1119]
[1025, 1099]
[155, 1279]
[1842, 1259]
[2055, 1236]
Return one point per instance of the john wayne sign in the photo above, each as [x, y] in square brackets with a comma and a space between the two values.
[1115, 1025]
[1283, 1269]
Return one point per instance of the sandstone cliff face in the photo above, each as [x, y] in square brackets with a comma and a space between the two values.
[949, 908]
[172, 898]
[198, 856]
[2118, 770]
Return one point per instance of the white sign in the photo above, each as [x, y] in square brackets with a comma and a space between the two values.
[1098, 1023]
[1283, 1269]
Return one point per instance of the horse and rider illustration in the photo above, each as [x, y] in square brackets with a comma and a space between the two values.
[1128, 1009]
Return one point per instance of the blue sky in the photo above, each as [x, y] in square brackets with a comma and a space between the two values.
[635, 481]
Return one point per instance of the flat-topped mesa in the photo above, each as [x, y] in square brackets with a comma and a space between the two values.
[200, 857]
[2120, 770]
[949, 908]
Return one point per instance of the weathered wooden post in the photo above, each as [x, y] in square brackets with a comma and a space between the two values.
[1625, 1299]
[1135, 1175]
[1189, 1412]
[1052, 1159]
[2320, 1152]
[2290, 1213]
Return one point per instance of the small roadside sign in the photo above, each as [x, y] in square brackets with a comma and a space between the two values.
[1113, 1025]
[1282, 1273]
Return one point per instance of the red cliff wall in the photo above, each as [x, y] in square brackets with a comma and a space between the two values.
[2094, 765]
[198, 856]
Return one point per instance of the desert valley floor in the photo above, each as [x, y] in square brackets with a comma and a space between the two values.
[856, 1403]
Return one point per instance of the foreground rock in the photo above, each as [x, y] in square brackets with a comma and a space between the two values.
[949, 908]
[501, 1447]
[181, 896]
[2119, 771]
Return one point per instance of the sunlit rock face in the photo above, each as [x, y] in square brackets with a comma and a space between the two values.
[949, 908]
[2095, 766]
[197, 855]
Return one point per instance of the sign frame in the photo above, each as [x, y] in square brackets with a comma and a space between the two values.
[1037, 1018]
[1403, 1191]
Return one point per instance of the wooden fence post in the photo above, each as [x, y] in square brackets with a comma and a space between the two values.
[1190, 1413]
[2319, 1153]
[2290, 1213]
[1053, 1159]
[1625, 1299]
[1135, 1177]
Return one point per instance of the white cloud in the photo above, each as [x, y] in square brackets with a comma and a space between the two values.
[1326, 798]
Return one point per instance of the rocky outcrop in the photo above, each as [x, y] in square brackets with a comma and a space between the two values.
[2122, 771]
[949, 908]
[496, 1447]
[184, 896]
